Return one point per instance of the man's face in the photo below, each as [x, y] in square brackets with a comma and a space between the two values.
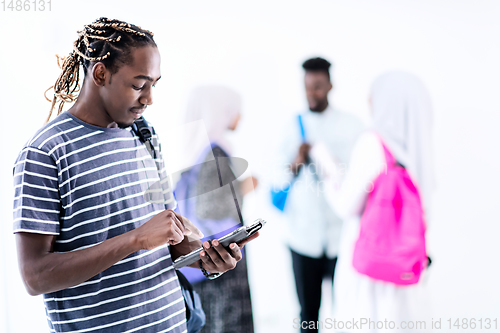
[317, 87]
[128, 92]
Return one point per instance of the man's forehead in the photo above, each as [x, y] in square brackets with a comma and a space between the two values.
[316, 76]
[145, 64]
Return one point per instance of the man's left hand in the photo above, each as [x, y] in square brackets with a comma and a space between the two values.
[216, 259]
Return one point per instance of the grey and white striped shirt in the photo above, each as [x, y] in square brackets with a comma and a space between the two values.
[87, 184]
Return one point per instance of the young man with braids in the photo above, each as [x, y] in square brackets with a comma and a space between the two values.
[88, 236]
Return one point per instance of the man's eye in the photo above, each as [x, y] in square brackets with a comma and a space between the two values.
[137, 88]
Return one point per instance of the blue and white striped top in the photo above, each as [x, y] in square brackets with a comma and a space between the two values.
[86, 184]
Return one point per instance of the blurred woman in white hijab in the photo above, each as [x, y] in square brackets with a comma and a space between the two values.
[401, 117]
[213, 111]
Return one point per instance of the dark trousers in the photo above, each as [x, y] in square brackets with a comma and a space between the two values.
[309, 274]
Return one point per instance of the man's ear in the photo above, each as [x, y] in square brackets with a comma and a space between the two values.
[99, 73]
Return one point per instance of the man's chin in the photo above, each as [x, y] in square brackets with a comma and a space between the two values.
[318, 107]
[315, 108]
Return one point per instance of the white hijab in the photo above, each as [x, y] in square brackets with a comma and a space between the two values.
[402, 115]
[215, 107]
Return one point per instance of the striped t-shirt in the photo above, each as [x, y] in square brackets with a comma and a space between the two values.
[87, 184]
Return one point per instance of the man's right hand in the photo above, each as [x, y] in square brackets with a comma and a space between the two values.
[167, 226]
[301, 159]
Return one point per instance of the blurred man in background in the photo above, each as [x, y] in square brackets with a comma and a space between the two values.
[314, 228]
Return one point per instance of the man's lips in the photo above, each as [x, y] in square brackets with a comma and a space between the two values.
[137, 112]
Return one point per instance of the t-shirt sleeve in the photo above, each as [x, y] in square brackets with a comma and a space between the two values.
[37, 203]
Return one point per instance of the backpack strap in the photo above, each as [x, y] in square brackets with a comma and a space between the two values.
[141, 129]
[389, 158]
[302, 131]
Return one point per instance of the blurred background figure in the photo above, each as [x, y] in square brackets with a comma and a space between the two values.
[225, 300]
[401, 119]
[314, 228]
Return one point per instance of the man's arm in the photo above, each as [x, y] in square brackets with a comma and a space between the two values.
[44, 271]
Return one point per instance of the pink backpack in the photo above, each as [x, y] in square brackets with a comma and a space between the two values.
[391, 243]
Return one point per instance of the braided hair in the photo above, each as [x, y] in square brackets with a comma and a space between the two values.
[104, 40]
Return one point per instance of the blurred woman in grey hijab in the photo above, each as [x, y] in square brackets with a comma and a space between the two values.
[217, 110]
[401, 118]
[214, 111]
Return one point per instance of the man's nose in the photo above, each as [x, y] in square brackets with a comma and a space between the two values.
[147, 97]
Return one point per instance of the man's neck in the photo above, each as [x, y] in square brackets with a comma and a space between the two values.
[89, 112]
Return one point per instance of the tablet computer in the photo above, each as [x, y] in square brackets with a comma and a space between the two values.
[234, 237]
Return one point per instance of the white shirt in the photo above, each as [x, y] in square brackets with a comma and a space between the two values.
[314, 228]
[348, 196]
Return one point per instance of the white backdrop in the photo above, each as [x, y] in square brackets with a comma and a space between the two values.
[257, 48]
